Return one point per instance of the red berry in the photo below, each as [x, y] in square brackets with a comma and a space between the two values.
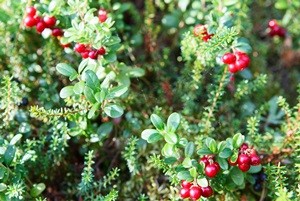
[184, 193]
[244, 167]
[206, 37]
[241, 64]
[38, 19]
[217, 165]
[195, 192]
[204, 160]
[40, 27]
[211, 170]
[57, 32]
[102, 51]
[228, 58]
[31, 11]
[281, 32]
[272, 23]
[80, 48]
[93, 54]
[245, 58]
[233, 68]
[244, 146]
[255, 160]
[186, 184]
[243, 159]
[50, 21]
[102, 15]
[207, 191]
[30, 21]
[199, 30]
[85, 54]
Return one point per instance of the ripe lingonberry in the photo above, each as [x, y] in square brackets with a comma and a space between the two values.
[241, 64]
[101, 51]
[40, 27]
[272, 23]
[228, 58]
[244, 166]
[50, 21]
[31, 11]
[184, 193]
[80, 48]
[186, 184]
[93, 54]
[255, 160]
[102, 15]
[211, 170]
[195, 192]
[244, 146]
[204, 159]
[30, 21]
[206, 191]
[233, 68]
[57, 32]
[244, 159]
[85, 54]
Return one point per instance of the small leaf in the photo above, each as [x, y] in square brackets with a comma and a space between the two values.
[185, 175]
[154, 138]
[113, 110]
[93, 110]
[204, 151]
[2, 187]
[100, 96]
[225, 153]
[66, 92]
[9, 154]
[92, 80]
[65, 70]
[234, 157]
[193, 172]
[189, 149]
[104, 129]
[171, 138]
[173, 122]
[37, 189]
[203, 182]
[148, 132]
[221, 146]
[255, 169]
[211, 144]
[89, 94]
[237, 140]
[237, 176]
[117, 92]
[187, 163]
[15, 139]
[223, 163]
[78, 87]
[157, 121]
[170, 160]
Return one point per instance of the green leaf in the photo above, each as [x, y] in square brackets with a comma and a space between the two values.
[92, 80]
[211, 144]
[170, 20]
[202, 181]
[2, 172]
[117, 92]
[114, 111]
[171, 138]
[242, 44]
[187, 163]
[9, 154]
[15, 139]
[93, 110]
[223, 163]
[110, 57]
[170, 151]
[221, 146]
[234, 157]
[66, 70]
[225, 153]
[37, 189]
[173, 122]
[230, 2]
[2, 187]
[154, 138]
[78, 87]
[254, 169]
[135, 72]
[237, 140]
[100, 96]
[112, 41]
[104, 129]
[66, 92]
[193, 172]
[170, 160]
[185, 175]
[281, 4]
[237, 176]
[157, 122]
[189, 149]
[204, 151]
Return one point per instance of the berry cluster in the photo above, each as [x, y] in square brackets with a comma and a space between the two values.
[237, 61]
[189, 190]
[87, 51]
[275, 29]
[211, 167]
[247, 157]
[259, 179]
[41, 23]
[201, 31]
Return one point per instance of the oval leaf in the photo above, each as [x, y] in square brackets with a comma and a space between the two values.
[157, 121]
[173, 122]
[114, 111]
[66, 92]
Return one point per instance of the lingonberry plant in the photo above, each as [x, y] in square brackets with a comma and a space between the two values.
[149, 100]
